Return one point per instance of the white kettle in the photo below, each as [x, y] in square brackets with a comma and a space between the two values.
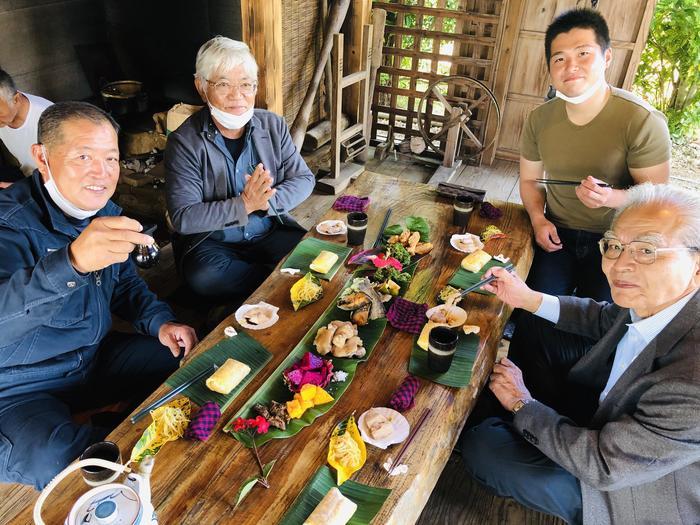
[111, 504]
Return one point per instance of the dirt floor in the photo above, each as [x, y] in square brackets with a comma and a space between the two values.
[685, 165]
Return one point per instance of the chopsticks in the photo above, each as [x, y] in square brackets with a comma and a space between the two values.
[508, 267]
[381, 230]
[401, 453]
[568, 182]
[167, 397]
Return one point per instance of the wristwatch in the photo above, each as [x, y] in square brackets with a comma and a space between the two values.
[520, 403]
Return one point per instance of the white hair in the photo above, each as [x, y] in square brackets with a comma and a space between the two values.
[222, 54]
[7, 87]
[686, 207]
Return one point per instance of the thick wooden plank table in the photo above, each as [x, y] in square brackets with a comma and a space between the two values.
[195, 482]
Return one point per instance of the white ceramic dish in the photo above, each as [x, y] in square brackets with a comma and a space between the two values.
[456, 316]
[473, 242]
[332, 227]
[400, 424]
[243, 310]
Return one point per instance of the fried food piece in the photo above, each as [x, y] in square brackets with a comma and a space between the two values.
[393, 239]
[353, 301]
[323, 339]
[423, 247]
[403, 238]
[413, 241]
[343, 333]
[352, 348]
[361, 316]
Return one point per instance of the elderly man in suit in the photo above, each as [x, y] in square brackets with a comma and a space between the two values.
[623, 446]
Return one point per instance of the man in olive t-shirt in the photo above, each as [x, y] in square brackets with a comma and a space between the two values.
[589, 133]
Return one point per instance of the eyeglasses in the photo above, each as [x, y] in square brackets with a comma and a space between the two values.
[224, 87]
[641, 251]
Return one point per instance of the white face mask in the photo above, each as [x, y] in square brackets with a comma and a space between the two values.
[583, 97]
[57, 197]
[230, 121]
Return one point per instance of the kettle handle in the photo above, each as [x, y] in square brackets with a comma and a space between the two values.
[94, 462]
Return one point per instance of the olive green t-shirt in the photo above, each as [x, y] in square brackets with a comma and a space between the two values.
[627, 133]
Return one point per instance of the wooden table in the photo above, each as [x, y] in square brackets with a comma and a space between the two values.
[195, 482]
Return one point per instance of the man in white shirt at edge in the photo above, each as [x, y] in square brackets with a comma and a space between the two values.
[635, 456]
[19, 117]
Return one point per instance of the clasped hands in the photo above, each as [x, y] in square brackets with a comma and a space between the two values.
[258, 190]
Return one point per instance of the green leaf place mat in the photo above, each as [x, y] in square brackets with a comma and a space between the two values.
[464, 279]
[242, 348]
[369, 500]
[275, 389]
[460, 373]
[308, 249]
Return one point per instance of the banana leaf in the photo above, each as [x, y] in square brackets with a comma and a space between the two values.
[242, 348]
[275, 389]
[307, 250]
[460, 373]
[464, 279]
[369, 499]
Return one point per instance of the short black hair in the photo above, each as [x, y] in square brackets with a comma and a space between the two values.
[583, 18]
[7, 86]
[53, 117]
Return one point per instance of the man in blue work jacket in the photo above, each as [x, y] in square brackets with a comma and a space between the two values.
[64, 270]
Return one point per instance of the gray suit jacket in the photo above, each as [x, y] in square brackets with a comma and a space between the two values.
[196, 186]
[639, 459]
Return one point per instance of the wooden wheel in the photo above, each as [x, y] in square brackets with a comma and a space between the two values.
[458, 101]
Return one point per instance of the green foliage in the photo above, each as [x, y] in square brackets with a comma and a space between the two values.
[669, 69]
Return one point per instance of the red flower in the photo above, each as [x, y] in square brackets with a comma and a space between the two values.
[381, 260]
[262, 425]
[239, 424]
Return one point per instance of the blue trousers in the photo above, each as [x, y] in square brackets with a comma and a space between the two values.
[497, 456]
[38, 437]
[220, 269]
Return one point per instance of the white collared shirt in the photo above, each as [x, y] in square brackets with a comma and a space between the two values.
[640, 332]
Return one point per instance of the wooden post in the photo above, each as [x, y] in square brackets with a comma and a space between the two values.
[359, 16]
[261, 22]
[507, 42]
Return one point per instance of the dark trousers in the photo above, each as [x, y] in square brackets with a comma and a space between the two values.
[493, 451]
[38, 437]
[221, 269]
[575, 269]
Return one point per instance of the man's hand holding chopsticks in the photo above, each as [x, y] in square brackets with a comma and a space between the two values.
[593, 195]
[511, 289]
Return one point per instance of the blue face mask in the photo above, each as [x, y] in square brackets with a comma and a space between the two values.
[59, 200]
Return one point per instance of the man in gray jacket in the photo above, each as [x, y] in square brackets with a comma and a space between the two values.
[628, 452]
[232, 175]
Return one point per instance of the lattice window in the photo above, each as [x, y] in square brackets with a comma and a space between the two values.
[425, 40]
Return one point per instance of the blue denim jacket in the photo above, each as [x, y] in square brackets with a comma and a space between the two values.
[52, 318]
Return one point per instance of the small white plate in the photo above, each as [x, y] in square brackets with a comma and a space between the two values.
[332, 227]
[459, 315]
[400, 423]
[240, 316]
[471, 240]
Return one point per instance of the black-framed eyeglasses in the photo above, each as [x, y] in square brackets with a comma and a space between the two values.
[224, 87]
[642, 252]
